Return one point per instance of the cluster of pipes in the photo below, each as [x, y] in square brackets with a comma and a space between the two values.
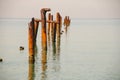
[50, 30]
[50, 36]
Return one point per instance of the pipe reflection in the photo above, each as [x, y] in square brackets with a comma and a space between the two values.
[56, 55]
[47, 66]
[31, 72]
[44, 64]
[54, 50]
[31, 68]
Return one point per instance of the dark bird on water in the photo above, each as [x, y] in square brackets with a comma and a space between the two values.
[1, 59]
[21, 48]
[62, 31]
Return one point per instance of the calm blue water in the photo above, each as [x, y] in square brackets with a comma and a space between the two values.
[89, 51]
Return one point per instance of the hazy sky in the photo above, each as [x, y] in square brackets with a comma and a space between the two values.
[73, 8]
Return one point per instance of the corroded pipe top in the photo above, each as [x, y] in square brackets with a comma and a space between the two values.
[45, 9]
[43, 13]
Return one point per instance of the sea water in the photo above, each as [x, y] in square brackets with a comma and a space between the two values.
[89, 50]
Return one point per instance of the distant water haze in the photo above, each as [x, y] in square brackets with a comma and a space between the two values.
[75, 9]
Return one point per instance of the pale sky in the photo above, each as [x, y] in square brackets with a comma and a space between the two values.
[72, 8]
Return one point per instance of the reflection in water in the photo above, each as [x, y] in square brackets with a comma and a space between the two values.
[66, 29]
[54, 50]
[51, 66]
[55, 57]
[42, 67]
[32, 63]
[44, 64]
[31, 69]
